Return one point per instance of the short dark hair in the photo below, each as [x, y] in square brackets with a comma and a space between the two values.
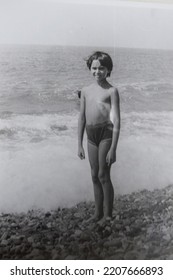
[104, 59]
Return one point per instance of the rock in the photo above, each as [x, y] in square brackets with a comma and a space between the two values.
[117, 256]
[70, 257]
[126, 222]
[85, 236]
[113, 243]
[55, 254]
[49, 225]
[131, 255]
[38, 245]
[77, 232]
[4, 236]
[47, 214]
[18, 249]
[30, 239]
[117, 226]
[170, 257]
[117, 218]
[13, 225]
[17, 239]
[4, 242]
[78, 215]
[24, 249]
[36, 253]
[167, 237]
[127, 228]
[142, 228]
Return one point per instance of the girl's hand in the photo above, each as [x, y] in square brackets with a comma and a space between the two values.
[111, 157]
[81, 153]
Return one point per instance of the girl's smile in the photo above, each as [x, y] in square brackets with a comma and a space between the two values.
[99, 72]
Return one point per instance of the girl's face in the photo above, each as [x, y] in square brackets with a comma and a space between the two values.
[98, 71]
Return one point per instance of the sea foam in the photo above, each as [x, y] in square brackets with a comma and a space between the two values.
[46, 172]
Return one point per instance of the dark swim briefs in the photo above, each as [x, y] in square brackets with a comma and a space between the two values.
[99, 132]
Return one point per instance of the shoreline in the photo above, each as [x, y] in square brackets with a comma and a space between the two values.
[141, 228]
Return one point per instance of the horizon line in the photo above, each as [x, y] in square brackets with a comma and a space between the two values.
[82, 46]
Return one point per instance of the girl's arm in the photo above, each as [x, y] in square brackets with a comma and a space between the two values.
[115, 112]
[115, 108]
[81, 126]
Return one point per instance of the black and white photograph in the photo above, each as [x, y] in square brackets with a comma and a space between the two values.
[86, 127]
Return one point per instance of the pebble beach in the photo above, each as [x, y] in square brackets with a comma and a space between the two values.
[40, 170]
[141, 228]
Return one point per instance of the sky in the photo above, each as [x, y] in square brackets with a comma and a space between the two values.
[134, 24]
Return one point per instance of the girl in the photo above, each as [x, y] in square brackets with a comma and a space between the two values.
[100, 115]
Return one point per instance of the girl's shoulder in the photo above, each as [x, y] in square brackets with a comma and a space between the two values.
[84, 91]
[113, 90]
[87, 89]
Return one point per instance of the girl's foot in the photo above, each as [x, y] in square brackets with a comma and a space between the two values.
[104, 221]
[94, 219]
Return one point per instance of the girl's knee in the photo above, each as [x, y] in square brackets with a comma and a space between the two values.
[94, 175]
[103, 176]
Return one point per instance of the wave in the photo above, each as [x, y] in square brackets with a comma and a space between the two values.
[32, 127]
[49, 174]
[27, 127]
[147, 87]
[148, 123]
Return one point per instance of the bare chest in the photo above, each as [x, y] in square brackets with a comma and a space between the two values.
[98, 98]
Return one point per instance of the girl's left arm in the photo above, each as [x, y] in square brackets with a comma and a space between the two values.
[115, 110]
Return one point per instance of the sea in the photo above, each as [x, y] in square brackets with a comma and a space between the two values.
[39, 107]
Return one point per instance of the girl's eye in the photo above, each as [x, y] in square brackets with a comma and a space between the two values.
[99, 68]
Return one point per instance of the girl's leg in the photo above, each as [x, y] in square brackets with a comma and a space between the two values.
[98, 192]
[104, 177]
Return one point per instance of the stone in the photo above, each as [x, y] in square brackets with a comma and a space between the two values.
[170, 257]
[4, 236]
[49, 225]
[113, 243]
[4, 242]
[131, 255]
[30, 239]
[117, 218]
[36, 252]
[47, 214]
[116, 256]
[77, 232]
[77, 215]
[118, 226]
[167, 237]
[70, 257]
[55, 254]
[142, 228]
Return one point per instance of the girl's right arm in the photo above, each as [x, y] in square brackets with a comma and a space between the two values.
[81, 126]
